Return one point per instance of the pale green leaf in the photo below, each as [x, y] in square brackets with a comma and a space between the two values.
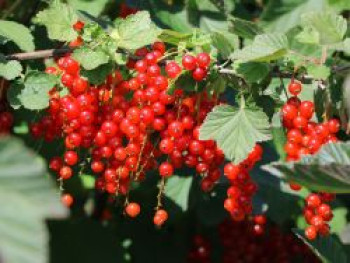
[27, 197]
[93, 7]
[318, 71]
[17, 33]
[327, 249]
[177, 189]
[224, 42]
[252, 71]
[10, 69]
[244, 28]
[282, 15]
[58, 19]
[135, 31]
[90, 59]
[330, 27]
[33, 94]
[235, 130]
[264, 48]
[326, 171]
[98, 75]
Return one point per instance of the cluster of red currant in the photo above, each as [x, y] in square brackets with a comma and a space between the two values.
[242, 189]
[131, 126]
[306, 137]
[317, 214]
[241, 243]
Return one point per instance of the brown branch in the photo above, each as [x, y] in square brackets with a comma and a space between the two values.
[40, 54]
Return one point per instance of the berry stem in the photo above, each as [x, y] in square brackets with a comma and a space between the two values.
[160, 193]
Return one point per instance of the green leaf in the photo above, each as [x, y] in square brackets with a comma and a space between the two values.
[135, 31]
[27, 198]
[33, 94]
[282, 15]
[329, 27]
[98, 75]
[252, 72]
[244, 28]
[10, 69]
[264, 48]
[173, 37]
[328, 249]
[235, 130]
[318, 71]
[88, 181]
[224, 42]
[177, 189]
[326, 171]
[17, 33]
[93, 7]
[58, 19]
[90, 59]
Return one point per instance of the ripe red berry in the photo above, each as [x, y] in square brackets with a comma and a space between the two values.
[132, 209]
[189, 62]
[313, 200]
[294, 88]
[160, 217]
[306, 109]
[67, 200]
[166, 169]
[203, 60]
[333, 125]
[289, 112]
[65, 172]
[70, 158]
[311, 232]
[199, 74]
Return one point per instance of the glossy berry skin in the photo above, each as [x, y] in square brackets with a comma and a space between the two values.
[67, 200]
[199, 74]
[203, 60]
[333, 125]
[313, 201]
[70, 158]
[160, 217]
[132, 209]
[189, 62]
[65, 172]
[289, 112]
[166, 169]
[311, 232]
[294, 88]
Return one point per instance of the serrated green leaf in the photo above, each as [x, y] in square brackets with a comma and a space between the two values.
[327, 249]
[177, 189]
[236, 131]
[93, 7]
[10, 69]
[173, 37]
[58, 19]
[90, 59]
[326, 171]
[224, 42]
[282, 15]
[318, 71]
[17, 33]
[244, 28]
[264, 48]
[27, 198]
[135, 31]
[252, 72]
[98, 75]
[329, 27]
[34, 93]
